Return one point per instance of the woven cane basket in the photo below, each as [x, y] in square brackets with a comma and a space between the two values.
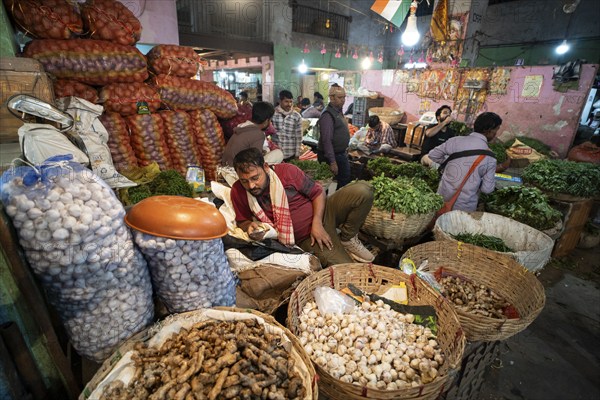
[302, 361]
[390, 225]
[532, 248]
[388, 114]
[377, 279]
[499, 272]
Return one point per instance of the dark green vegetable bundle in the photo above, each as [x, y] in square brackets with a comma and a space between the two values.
[527, 205]
[405, 195]
[383, 165]
[316, 170]
[170, 183]
[562, 176]
[500, 152]
[460, 128]
[488, 242]
[535, 144]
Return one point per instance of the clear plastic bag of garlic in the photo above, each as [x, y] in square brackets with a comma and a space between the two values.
[70, 226]
[188, 274]
[373, 346]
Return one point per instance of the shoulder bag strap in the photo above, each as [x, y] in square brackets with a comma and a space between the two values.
[462, 184]
[466, 153]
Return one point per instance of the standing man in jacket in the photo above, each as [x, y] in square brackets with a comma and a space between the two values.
[335, 136]
[482, 179]
[288, 124]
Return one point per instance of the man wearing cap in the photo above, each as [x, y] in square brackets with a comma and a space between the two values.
[335, 136]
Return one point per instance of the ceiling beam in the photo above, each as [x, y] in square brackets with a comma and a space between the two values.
[204, 41]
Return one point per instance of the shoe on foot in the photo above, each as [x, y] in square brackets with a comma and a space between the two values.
[357, 250]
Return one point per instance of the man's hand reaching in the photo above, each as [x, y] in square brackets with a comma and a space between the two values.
[319, 235]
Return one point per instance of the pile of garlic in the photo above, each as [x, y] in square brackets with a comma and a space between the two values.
[70, 225]
[374, 346]
[188, 274]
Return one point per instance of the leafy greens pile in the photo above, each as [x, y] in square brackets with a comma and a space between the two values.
[562, 176]
[316, 170]
[170, 183]
[488, 242]
[527, 205]
[383, 165]
[500, 152]
[460, 128]
[405, 195]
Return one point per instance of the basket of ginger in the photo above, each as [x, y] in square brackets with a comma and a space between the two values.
[494, 296]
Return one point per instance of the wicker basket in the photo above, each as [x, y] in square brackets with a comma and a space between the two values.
[532, 247]
[390, 225]
[376, 279]
[388, 114]
[301, 358]
[498, 272]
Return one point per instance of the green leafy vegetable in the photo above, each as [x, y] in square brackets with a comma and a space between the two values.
[500, 152]
[405, 195]
[488, 242]
[527, 205]
[169, 183]
[562, 176]
[531, 142]
[460, 128]
[383, 165]
[316, 170]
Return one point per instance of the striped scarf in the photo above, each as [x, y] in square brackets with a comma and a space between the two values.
[281, 210]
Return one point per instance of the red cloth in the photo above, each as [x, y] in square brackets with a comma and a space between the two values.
[300, 191]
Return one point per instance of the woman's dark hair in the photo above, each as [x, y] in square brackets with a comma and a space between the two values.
[285, 94]
[248, 158]
[305, 101]
[261, 111]
[244, 95]
[438, 112]
[373, 121]
[487, 121]
[318, 95]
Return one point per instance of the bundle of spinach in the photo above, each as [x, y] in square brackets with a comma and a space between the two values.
[316, 170]
[500, 152]
[405, 195]
[527, 205]
[383, 165]
[489, 242]
[562, 176]
[535, 144]
[169, 182]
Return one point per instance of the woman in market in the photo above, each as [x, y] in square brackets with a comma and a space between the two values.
[461, 152]
[290, 201]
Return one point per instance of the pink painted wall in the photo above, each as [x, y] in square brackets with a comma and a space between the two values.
[553, 117]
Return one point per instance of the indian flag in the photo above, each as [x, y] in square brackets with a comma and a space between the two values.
[393, 10]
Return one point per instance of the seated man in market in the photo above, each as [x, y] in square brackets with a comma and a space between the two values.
[437, 134]
[251, 134]
[285, 198]
[315, 110]
[380, 137]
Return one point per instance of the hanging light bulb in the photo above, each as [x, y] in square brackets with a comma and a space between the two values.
[411, 34]
[366, 63]
[302, 68]
[562, 48]
[222, 74]
[327, 24]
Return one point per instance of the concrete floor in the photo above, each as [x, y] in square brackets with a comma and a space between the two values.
[558, 355]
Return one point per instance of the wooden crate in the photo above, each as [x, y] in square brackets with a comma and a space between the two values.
[476, 358]
[20, 75]
[577, 214]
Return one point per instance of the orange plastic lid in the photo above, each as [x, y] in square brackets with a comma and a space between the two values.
[177, 217]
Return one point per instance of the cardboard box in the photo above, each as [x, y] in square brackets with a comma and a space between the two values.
[20, 75]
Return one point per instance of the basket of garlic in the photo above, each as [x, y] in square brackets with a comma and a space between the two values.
[494, 296]
[217, 353]
[375, 352]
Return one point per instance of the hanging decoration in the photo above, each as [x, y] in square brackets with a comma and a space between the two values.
[337, 53]
[439, 84]
[306, 49]
[323, 49]
[499, 81]
[439, 21]
[428, 58]
[421, 59]
[469, 102]
[393, 11]
[371, 58]
[380, 57]
[445, 51]
[355, 55]
[401, 51]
